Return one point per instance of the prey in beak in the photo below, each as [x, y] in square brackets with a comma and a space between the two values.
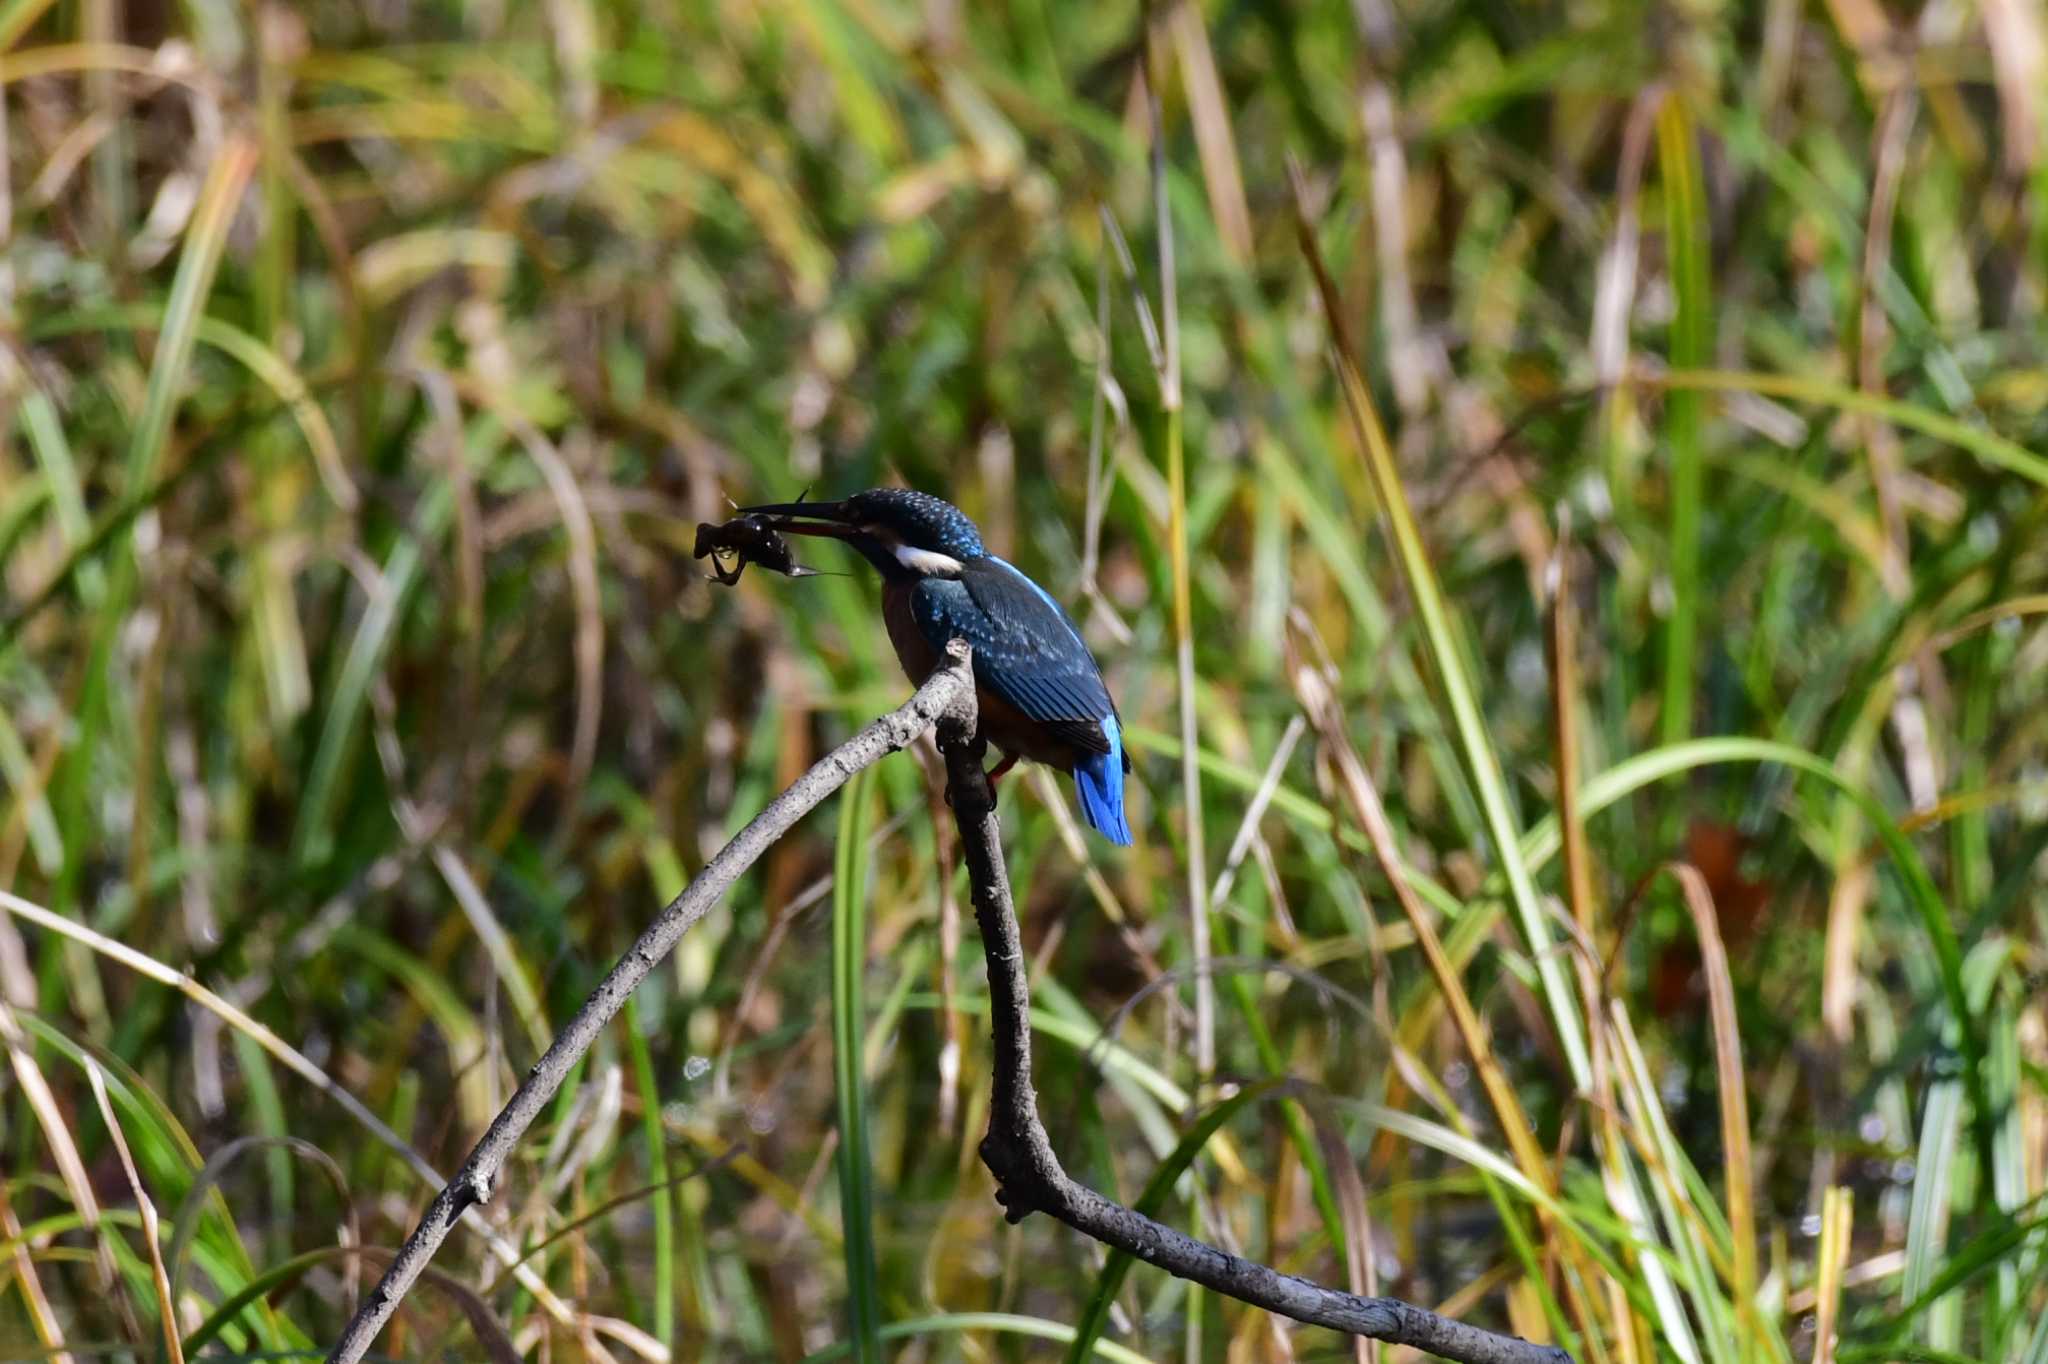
[754, 536]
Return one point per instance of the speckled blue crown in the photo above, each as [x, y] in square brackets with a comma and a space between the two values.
[923, 521]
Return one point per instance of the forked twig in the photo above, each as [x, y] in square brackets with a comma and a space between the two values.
[1029, 1176]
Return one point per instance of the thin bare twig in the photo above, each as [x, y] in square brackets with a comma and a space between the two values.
[473, 1183]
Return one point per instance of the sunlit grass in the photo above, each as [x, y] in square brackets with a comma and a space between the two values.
[370, 367]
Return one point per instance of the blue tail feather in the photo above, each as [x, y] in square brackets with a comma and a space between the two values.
[1100, 780]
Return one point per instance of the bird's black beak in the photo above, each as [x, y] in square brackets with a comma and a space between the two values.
[834, 519]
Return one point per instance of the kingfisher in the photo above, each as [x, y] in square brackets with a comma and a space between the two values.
[1040, 690]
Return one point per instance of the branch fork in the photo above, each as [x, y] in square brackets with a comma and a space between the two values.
[1018, 1153]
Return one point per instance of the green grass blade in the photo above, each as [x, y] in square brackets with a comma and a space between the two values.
[1712, 1313]
[262, 362]
[44, 428]
[2008, 1176]
[1986, 446]
[204, 242]
[849, 966]
[1447, 651]
[313, 838]
[661, 1202]
[18, 17]
[2037, 1348]
[1692, 345]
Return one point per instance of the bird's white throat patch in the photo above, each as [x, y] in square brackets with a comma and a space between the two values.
[930, 562]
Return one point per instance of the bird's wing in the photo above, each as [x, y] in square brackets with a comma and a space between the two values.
[1026, 649]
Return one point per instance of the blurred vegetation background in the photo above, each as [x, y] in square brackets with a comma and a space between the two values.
[368, 367]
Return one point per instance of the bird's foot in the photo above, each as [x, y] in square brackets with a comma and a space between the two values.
[978, 754]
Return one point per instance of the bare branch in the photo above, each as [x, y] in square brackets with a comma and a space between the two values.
[1029, 1177]
[474, 1182]
[1017, 1151]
